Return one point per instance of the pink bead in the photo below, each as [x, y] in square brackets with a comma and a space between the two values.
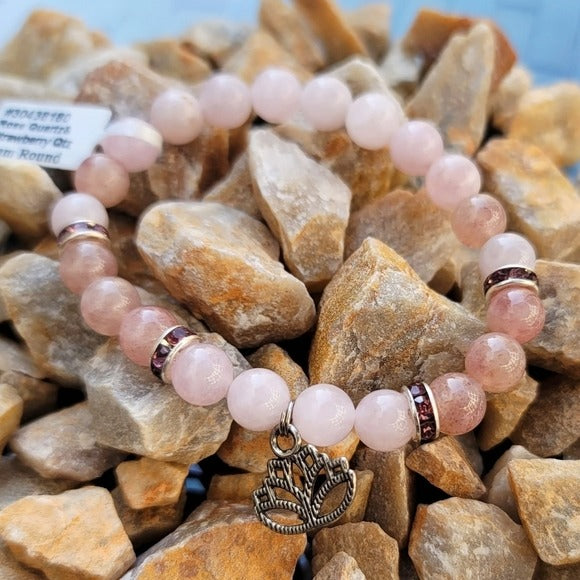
[141, 330]
[383, 420]
[106, 301]
[372, 119]
[225, 101]
[460, 402]
[415, 146]
[323, 414]
[104, 178]
[257, 398]
[77, 207]
[451, 179]
[506, 250]
[176, 114]
[516, 311]
[275, 95]
[478, 218]
[324, 103]
[496, 361]
[132, 142]
[82, 262]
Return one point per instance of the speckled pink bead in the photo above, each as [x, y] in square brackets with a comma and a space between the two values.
[201, 374]
[496, 361]
[516, 311]
[477, 219]
[383, 420]
[460, 402]
[324, 103]
[415, 146]
[176, 114]
[106, 301]
[77, 207]
[104, 178]
[323, 414]
[141, 330]
[503, 250]
[257, 398]
[225, 101]
[83, 261]
[451, 179]
[275, 95]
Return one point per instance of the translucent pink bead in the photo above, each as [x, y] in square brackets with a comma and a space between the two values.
[383, 420]
[83, 262]
[516, 311]
[104, 178]
[451, 179]
[257, 398]
[176, 114]
[477, 219]
[141, 330]
[506, 250]
[225, 101]
[496, 361]
[134, 143]
[323, 414]
[324, 103]
[105, 302]
[460, 402]
[275, 95]
[201, 374]
[372, 119]
[415, 146]
[77, 207]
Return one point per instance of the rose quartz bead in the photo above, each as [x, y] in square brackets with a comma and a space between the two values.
[323, 414]
[105, 302]
[516, 311]
[257, 398]
[176, 114]
[134, 143]
[372, 119]
[104, 178]
[506, 250]
[141, 330]
[451, 179]
[383, 420]
[324, 103]
[77, 207]
[415, 146]
[275, 95]
[478, 218]
[460, 402]
[201, 374]
[225, 101]
[496, 361]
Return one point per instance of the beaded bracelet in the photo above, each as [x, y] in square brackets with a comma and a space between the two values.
[300, 477]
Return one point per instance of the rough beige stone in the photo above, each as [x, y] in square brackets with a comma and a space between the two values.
[16, 87]
[340, 567]
[361, 75]
[11, 406]
[38, 396]
[237, 487]
[402, 70]
[468, 442]
[546, 572]
[11, 569]
[371, 24]
[357, 509]
[505, 101]
[15, 357]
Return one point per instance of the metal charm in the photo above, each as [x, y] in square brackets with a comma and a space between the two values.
[299, 481]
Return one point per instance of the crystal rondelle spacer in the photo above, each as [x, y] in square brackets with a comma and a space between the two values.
[166, 347]
[84, 230]
[510, 276]
[424, 410]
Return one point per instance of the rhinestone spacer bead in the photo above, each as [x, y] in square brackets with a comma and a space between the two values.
[510, 276]
[82, 230]
[424, 411]
[168, 346]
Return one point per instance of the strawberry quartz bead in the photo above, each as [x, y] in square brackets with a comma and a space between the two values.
[415, 146]
[104, 178]
[477, 219]
[225, 101]
[176, 114]
[77, 207]
[275, 95]
[324, 103]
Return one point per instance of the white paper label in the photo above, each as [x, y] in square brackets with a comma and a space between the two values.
[50, 134]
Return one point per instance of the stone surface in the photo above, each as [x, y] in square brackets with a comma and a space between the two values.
[11, 569]
[76, 534]
[402, 70]
[305, 205]
[237, 487]
[540, 202]
[546, 492]
[361, 75]
[38, 396]
[506, 100]
[468, 442]
[16, 87]
[546, 572]
[469, 538]
[444, 464]
[222, 264]
[196, 548]
[15, 357]
[357, 509]
[340, 567]
[376, 553]
[371, 24]
[11, 406]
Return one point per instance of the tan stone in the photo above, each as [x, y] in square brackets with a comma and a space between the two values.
[572, 452]
[74, 535]
[356, 510]
[546, 572]
[340, 567]
[234, 488]
[546, 492]
[540, 202]
[11, 569]
[465, 538]
[376, 553]
[38, 396]
[371, 24]
[361, 75]
[16, 87]
[468, 442]
[196, 549]
[15, 357]
[11, 406]
[505, 101]
[402, 70]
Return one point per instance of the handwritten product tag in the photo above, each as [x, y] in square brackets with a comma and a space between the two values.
[48, 134]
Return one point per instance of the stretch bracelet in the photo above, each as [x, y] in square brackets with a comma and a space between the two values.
[300, 477]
